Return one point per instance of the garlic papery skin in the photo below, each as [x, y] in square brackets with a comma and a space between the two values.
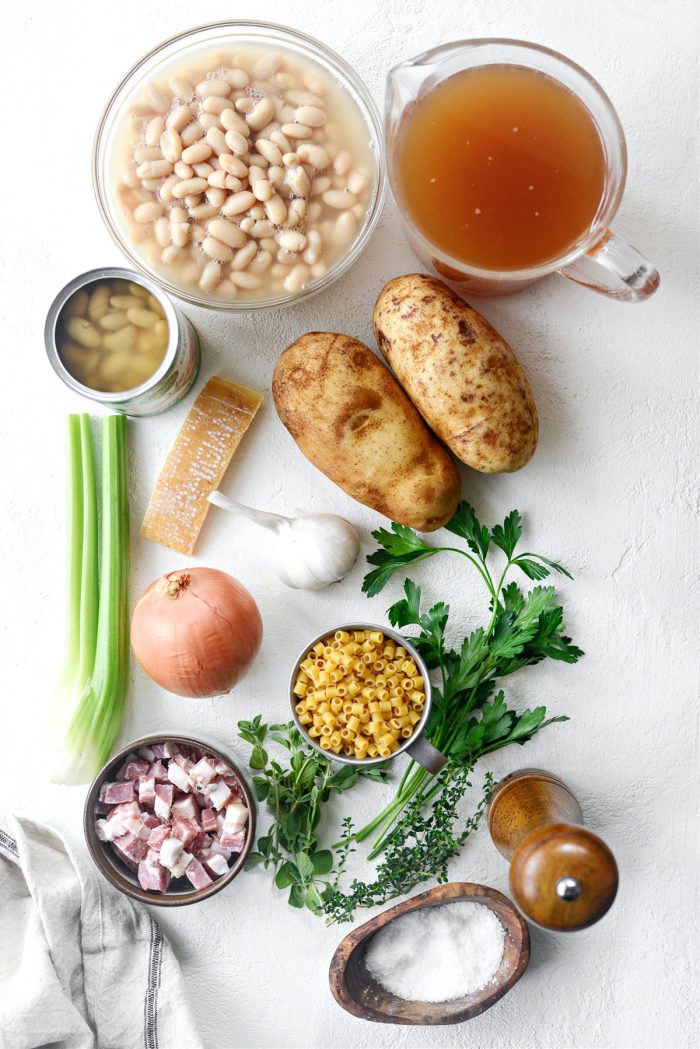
[315, 550]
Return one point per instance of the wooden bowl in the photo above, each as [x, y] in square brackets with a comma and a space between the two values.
[356, 990]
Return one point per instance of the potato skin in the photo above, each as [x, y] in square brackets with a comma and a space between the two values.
[461, 375]
[351, 418]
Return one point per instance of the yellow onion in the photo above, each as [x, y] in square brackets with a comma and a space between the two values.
[196, 632]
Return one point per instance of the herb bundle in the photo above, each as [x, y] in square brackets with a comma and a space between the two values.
[469, 718]
[296, 795]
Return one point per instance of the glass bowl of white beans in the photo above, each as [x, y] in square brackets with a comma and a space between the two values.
[241, 166]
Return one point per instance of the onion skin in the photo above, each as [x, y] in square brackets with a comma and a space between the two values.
[196, 632]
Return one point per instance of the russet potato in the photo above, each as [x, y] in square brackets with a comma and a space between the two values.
[353, 421]
[463, 378]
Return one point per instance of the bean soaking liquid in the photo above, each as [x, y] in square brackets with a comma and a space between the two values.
[501, 167]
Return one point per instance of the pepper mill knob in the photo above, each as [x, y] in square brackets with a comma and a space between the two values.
[562, 876]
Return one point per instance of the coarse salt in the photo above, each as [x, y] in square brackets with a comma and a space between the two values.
[437, 954]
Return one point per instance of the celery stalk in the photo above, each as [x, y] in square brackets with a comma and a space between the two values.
[98, 715]
[82, 585]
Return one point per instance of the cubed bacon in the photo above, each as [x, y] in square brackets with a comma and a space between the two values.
[174, 857]
[202, 773]
[186, 808]
[127, 759]
[233, 841]
[128, 808]
[164, 800]
[151, 820]
[100, 830]
[215, 864]
[159, 771]
[136, 826]
[152, 875]
[147, 792]
[208, 820]
[201, 845]
[186, 830]
[196, 753]
[178, 776]
[218, 793]
[127, 860]
[147, 754]
[158, 836]
[117, 793]
[203, 801]
[222, 768]
[103, 808]
[135, 770]
[197, 874]
[235, 816]
[218, 848]
[184, 762]
[165, 750]
[132, 846]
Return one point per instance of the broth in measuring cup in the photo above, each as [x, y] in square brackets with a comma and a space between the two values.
[112, 335]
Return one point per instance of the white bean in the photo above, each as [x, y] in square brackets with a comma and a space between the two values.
[276, 210]
[179, 233]
[235, 185]
[197, 152]
[244, 105]
[236, 142]
[339, 198]
[260, 115]
[142, 318]
[210, 120]
[142, 154]
[151, 169]
[217, 179]
[262, 228]
[255, 174]
[198, 233]
[267, 66]
[157, 98]
[312, 116]
[183, 170]
[123, 339]
[211, 275]
[267, 243]
[297, 212]
[297, 278]
[233, 165]
[276, 175]
[216, 250]
[215, 196]
[237, 78]
[298, 181]
[98, 304]
[291, 240]
[247, 281]
[296, 131]
[179, 118]
[245, 256]
[191, 134]
[203, 169]
[247, 223]
[237, 203]
[357, 183]
[114, 321]
[314, 155]
[215, 104]
[216, 139]
[204, 211]
[213, 87]
[154, 130]
[180, 87]
[320, 185]
[345, 229]
[281, 141]
[161, 229]
[227, 233]
[171, 145]
[313, 248]
[191, 272]
[342, 163]
[233, 122]
[268, 150]
[148, 212]
[262, 189]
[189, 186]
[227, 289]
[129, 176]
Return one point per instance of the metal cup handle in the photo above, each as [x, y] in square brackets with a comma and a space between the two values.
[423, 751]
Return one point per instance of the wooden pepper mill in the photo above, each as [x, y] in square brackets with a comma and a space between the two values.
[562, 876]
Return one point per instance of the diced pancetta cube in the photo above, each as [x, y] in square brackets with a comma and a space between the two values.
[208, 820]
[202, 773]
[196, 753]
[117, 793]
[136, 826]
[179, 777]
[152, 875]
[147, 754]
[127, 759]
[201, 845]
[164, 800]
[222, 768]
[235, 816]
[128, 808]
[234, 842]
[186, 830]
[100, 831]
[171, 851]
[127, 860]
[132, 846]
[215, 864]
[159, 772]
[135, 770]
[186, 808]
[158, 836]
[165, 750]
[114, 827]
[147, 792]
[184, 762]
[218, 848]
[218, 793]
[103, 808]
[150, 820]
[197, 874]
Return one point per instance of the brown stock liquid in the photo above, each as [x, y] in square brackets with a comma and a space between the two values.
[501, 167]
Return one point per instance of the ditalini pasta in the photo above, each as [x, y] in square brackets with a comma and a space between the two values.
[359, 694]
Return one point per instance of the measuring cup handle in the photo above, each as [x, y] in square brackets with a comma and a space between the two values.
[613, 267]
[423, 751]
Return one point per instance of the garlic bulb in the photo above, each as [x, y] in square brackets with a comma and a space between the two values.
[313, 550]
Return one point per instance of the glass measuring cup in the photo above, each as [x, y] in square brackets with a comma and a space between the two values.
[599, 259]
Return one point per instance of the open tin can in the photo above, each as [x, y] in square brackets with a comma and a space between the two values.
[416, 746]
[174, 376]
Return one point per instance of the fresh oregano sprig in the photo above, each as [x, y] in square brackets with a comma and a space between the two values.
[295, 793]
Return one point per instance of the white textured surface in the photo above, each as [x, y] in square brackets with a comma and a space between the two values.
[612, 491]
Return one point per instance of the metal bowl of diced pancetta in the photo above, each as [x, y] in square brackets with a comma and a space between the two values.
[169, 820]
